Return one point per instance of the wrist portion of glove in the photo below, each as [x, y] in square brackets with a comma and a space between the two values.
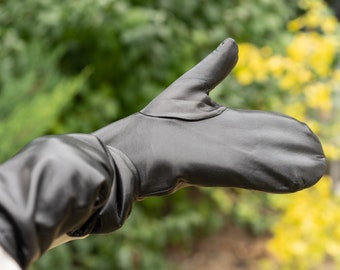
[60, 185]
[124, 192]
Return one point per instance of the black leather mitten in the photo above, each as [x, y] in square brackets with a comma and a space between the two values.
[184, 138]
[76, 184]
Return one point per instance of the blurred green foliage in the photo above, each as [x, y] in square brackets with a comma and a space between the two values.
[75, 66]
[133, 48]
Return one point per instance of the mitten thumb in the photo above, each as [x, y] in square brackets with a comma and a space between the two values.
[187, 98]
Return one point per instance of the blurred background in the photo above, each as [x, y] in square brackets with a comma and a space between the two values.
[75, 66]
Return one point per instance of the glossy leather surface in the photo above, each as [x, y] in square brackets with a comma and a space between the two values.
[184, 138]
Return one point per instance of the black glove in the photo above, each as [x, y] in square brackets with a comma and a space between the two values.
[85, 184]
[184, 138]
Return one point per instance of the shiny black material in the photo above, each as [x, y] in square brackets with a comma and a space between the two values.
[86, 184]
[184, 138]
[52, 186]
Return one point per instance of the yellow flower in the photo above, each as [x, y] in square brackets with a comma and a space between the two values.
[314, 50]
[246, 51]
[296, 110]
[312, 4]
[277, 65]
[300, 47]
[323, 55]
[244, 76]
[329, 25]
[307, 232]
[331, 151]
[313, 19]
[251, 65]
[316, 17]
[318, 96]
[336, 76]
[304, 75]
[295, 25]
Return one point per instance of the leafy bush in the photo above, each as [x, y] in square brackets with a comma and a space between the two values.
[33, 95]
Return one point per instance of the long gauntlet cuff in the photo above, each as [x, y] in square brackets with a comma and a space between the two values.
[57, 186]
